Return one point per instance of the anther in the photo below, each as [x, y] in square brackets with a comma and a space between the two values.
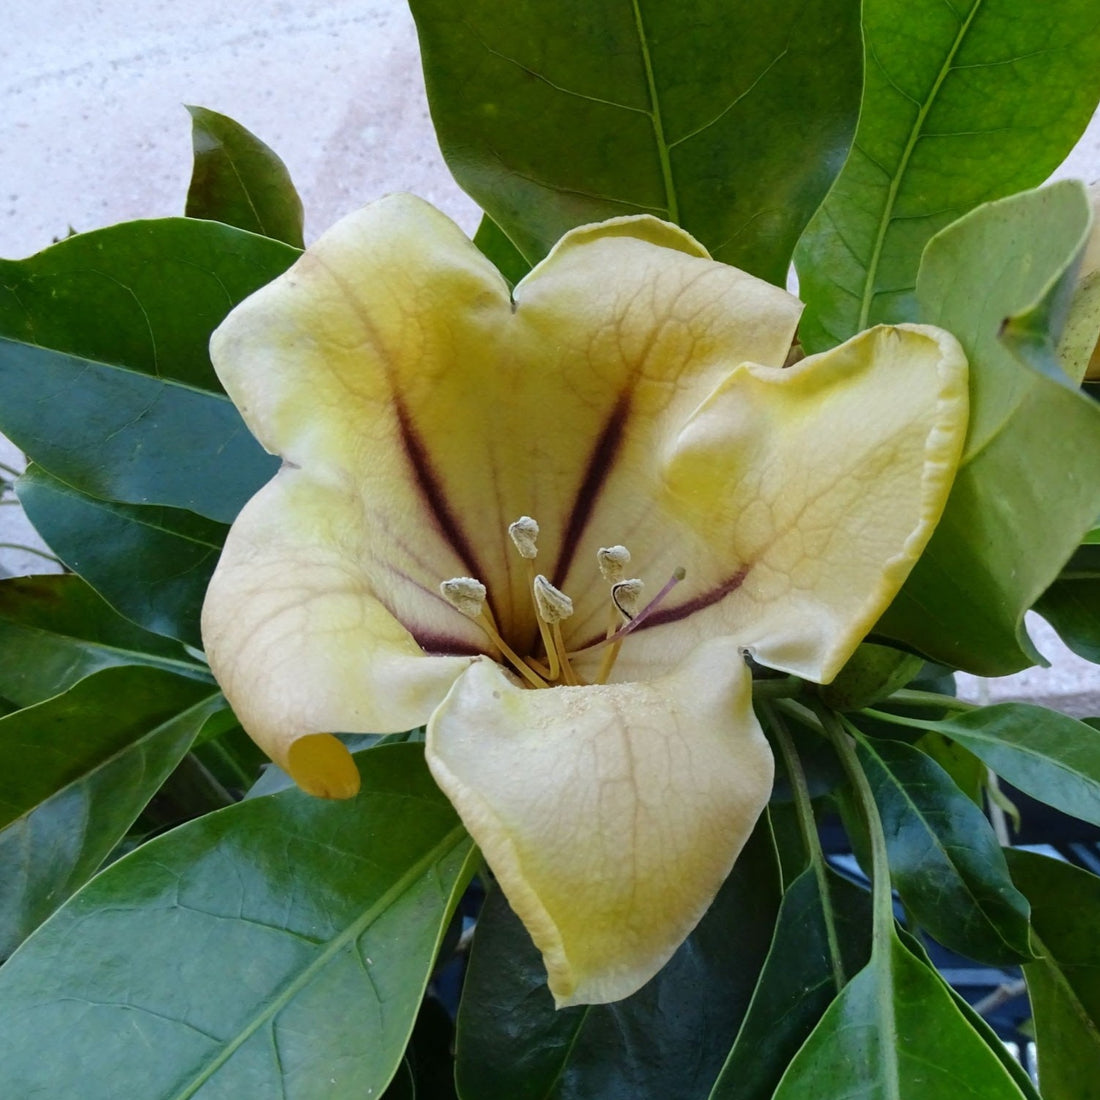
[612, 561]
[625, 596]
[553, 604]
[465, 594]
[524, 534]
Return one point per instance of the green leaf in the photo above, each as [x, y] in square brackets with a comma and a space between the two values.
[984, 1030]
[75, 771]
[945, 860]
[668, 1039]
[1047, 755]
[796, 985]
[963, 102]
[279, 947]
[895, 1032]
[151, 564]
[118, 434]
[732, 122]
[1064, 985]
[55, 630]
[144, 295]
[238, 180]
[1072, 607]
[1026, 490]
[507, 259]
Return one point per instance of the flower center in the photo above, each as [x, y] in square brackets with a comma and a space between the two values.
[553, 664]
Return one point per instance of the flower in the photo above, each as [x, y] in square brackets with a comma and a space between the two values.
[446, 543]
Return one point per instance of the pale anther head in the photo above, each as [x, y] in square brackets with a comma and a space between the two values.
[612, 561]
[464, 594]
[626, 595]
[524, 534]
[553, 604]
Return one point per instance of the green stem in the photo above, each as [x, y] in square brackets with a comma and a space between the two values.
[901, 720]
[808, 826]
[912, 698]
[882, 898]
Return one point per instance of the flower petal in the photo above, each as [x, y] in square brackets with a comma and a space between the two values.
[391, 357]
[1079, 348]
[301, 644]
[609, 815]
[822, 482]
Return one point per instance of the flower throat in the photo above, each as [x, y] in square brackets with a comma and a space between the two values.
[554, 665]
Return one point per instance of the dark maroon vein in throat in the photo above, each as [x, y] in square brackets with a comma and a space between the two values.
[431, 490]
[661, 615]
[599, 465]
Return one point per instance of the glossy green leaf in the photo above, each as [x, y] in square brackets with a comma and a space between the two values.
[963, 102]
[1027, 488]
[1047, 755]
[797, 984]
[1064, 985]
[668, 1039]
[118, 434]
[143, 295]
[55, 630]
[895, 1032]
[732, 122]
[945, 860]
[278, 948]
[75, 771]
[1072, 607]
[151, 564]
[978, 1023]
[238, 180]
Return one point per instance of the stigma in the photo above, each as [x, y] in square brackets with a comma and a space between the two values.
[552, 663]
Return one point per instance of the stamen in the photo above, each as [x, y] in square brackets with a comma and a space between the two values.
[467, 595]
[624, 596]
[524, 534]
[612, 561]
[553, 606]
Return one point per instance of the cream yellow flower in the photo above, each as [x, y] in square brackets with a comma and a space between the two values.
[548, 524]
[1079, 348]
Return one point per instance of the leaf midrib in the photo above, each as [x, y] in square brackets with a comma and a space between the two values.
[895, 184]
[655, 117]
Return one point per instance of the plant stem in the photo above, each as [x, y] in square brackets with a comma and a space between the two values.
[912, 698]
[808, 826]
[882, 898]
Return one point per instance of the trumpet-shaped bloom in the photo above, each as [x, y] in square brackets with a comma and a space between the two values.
[548, 524]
